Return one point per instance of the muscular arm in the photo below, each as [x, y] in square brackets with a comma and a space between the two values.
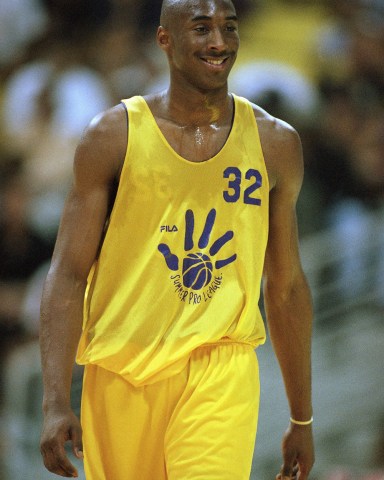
[97, 163]
[287, 297]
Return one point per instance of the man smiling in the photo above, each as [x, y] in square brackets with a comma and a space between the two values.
[171, 383]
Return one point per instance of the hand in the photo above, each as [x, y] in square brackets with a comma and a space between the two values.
[59, 427]
[198, 268]
[298, 453]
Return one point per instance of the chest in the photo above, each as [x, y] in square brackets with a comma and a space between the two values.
[195, 143]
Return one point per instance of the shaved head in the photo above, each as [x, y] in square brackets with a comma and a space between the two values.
[171, 10]
[168, 9]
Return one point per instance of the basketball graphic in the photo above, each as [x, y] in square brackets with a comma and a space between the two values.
[197, 270]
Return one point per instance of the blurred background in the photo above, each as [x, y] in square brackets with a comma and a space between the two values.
[319, 65]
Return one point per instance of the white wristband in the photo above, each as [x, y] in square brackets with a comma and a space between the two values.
[299, 422]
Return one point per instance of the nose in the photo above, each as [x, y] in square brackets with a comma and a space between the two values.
[217, 40]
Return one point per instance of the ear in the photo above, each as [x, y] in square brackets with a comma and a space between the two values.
[162, 38]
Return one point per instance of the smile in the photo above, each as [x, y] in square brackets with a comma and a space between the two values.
[215, 62]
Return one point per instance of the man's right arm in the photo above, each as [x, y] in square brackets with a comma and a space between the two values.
[97, 164]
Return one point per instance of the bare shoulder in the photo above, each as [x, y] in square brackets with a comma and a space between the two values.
[102, 148]
[281, 147]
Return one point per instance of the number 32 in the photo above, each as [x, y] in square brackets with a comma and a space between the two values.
[233, 193]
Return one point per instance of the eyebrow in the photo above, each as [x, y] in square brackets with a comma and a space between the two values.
[200, 18]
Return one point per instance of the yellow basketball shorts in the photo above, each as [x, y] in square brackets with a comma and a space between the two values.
[197, 425]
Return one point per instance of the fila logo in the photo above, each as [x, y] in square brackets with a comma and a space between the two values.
[168, 228]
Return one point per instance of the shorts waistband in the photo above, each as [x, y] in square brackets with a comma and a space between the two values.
[228, 341]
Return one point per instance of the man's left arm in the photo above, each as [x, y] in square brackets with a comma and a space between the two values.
[288, 301]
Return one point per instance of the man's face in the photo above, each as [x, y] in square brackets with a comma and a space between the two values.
[203, 42]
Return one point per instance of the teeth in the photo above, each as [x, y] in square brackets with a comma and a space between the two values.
[214, 62]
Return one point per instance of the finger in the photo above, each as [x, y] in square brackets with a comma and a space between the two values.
[170, 259]
[189, 227]
[281, 477]
[68, 468]
[287, 470]
[303, 473]
[77, 442]
[204, 239]
[78, 451]
[220, 242]
[56, 461]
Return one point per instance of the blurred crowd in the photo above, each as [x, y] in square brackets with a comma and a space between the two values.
[64, 61]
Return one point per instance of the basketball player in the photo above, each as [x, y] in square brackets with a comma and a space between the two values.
[181, 201]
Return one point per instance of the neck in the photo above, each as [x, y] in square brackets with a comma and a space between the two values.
[197, 108]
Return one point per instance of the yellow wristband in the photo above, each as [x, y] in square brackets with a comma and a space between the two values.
[299, 422]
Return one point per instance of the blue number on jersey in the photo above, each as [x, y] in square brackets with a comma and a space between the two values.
[234, 176]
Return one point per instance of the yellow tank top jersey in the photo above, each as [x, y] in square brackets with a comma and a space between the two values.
[182, 258]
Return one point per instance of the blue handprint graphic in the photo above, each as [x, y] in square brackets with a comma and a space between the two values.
[197, 268]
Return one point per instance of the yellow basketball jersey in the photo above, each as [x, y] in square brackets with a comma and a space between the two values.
[182, 258]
